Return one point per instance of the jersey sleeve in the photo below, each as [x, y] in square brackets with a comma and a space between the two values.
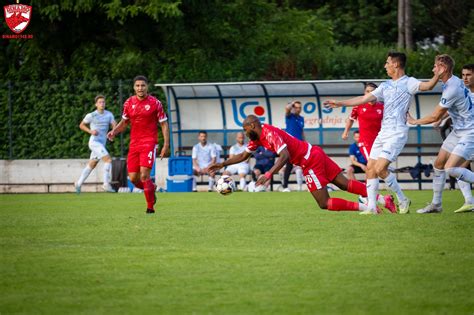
[111, 118]
[413, 85]
[126, 110]
[276, 141]
[161, 115]
[88, 118]
[252, 146]
[378, 92]
[354, 113]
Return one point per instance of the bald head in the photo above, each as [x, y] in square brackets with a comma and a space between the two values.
[251, 119]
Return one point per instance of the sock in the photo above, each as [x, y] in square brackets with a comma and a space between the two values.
[363, 207]
[439, 180]
[139, 184]
[372, 189]
[107, 168]
[461, 173]
[393, 185]
[211, 183]
[337, 204]
[357, 188]
[299, 176]
[466, 191]
[243, 183]
[195, 179]
[85, 173]
[149, 191]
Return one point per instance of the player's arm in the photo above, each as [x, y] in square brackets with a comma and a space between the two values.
[436, 115]
[165, 130]
[120, 127]
[345, 133]
[233, 160]
[350, 102]
[429, 85]
[288, 108]
[283, 158]
[113, 124]
[83, 127]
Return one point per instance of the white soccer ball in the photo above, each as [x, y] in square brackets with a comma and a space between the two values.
[225, 185]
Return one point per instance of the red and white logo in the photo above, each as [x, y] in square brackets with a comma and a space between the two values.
[17, 16]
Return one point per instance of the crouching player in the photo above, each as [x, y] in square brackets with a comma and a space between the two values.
[318, 169]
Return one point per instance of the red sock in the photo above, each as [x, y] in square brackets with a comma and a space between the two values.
[357, 188]
[337, 204]
[149, 191]
[138, 184]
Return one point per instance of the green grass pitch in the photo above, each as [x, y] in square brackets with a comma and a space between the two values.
[263, 253]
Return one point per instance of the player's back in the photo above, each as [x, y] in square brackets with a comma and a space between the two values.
[298, 149]
[456, 97]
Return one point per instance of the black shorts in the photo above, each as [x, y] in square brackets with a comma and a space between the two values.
[263, 168]
[357, 169]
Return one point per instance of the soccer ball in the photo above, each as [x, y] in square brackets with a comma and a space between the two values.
[225, 185]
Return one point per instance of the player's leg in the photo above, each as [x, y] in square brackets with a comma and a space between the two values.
[464, 151]
[439, 181]
[85, 173]
[147, 159]
[107, 173]
[133, 167]
[466, 192]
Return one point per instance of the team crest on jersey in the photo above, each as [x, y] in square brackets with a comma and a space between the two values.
[364, 109]
[147, 107]
[17, 16]
[379, 111]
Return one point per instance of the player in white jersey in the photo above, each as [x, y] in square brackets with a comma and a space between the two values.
[99, 122]
[241, 168]
[203, 155]
[459, 145]
[397, 94]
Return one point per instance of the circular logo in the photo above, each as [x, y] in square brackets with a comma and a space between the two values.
[259, 110]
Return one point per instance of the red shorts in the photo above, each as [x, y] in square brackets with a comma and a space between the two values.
[319, 170]
[142, 155]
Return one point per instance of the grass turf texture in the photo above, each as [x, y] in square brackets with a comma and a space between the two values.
[245, 253]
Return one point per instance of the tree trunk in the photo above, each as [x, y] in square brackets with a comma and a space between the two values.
[401, 24]
[408, 27]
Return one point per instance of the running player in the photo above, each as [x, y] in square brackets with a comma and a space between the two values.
[397, 94]
[370, 117]
[143, 112]
[318, 169]
[99, 122]
[459, 145]
[243, 167]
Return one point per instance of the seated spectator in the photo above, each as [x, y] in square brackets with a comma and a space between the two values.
[357, 159]
[241, 168]
[203, 155]
[264, 161]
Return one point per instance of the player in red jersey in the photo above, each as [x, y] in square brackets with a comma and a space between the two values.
[143, 112]
[370, 117]
[318, 169]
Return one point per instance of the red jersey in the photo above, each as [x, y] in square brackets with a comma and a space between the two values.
[370, 121]
[144, 116]
[275, 140]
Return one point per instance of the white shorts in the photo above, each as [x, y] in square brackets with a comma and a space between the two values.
[241, 168]
[460, 143]
[388, 146]
[98, 150]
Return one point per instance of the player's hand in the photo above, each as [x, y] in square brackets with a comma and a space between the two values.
[436, 124]
[410, 119]
[111, 135]
[332, 104]
[94, 132]
[344, 136]
[164, 152]
[262, 180]
[214, 167]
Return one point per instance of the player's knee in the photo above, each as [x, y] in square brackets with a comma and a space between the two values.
[323, 204]
[144, 177]
[452, 171]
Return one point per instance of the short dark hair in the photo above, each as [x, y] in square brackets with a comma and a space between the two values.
[469, 66]
[400, 57]
[140, 78]
[203, 131]
[371, 84]
[356, 131]
[98, 97]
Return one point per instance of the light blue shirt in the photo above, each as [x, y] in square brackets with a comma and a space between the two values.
[101, 123]
[457, 99]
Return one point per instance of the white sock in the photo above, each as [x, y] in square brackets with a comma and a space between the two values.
[195, 179]
[299, 176]
[466, 191]
[85, 173]
[372, 189]
[107, 175]
[243, 183]
[211, 183]
[461, 173]
[393, 185]
[439, 181]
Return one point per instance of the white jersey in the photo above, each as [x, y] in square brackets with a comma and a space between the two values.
[204, 154]
[397, 96]
[457, 99]
[101, 123]
[237, 149]
[471, 95]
